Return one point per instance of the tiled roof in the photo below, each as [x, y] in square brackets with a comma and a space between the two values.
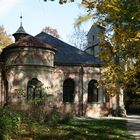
[67, 54]
[30, 41]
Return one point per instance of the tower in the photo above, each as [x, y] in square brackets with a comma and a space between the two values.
[93, 38]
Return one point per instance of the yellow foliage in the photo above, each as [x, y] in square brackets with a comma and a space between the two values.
[4, 38]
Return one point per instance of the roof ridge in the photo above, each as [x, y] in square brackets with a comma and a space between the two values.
[59, 41]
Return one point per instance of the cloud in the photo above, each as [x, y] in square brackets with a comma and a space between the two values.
[6, 5]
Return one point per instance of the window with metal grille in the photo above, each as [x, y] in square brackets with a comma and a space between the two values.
[34, 89]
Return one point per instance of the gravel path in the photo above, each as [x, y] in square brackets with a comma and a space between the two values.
[133, 126]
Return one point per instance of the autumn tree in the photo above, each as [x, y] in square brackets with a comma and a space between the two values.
[121, 45]
[4, 38]
[61, 1]
[78, 38]
[121, 56]
[51, 31]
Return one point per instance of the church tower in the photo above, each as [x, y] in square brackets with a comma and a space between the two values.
[93, 38]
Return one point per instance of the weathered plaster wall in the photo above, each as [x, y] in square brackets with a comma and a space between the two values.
[95, 108]
[53, 79]
[18, 78]
[29, 56]
[81, 76]
[21, 65]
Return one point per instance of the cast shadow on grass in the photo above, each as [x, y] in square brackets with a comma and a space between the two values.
[87, 130]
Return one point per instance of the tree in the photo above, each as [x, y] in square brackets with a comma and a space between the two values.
[51, 31]
[121, 55]
[4, 38]
[62, 1]
[79, 38]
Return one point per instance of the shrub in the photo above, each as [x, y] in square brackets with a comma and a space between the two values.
[119, 112]
[66, 118]
[10, 121]
[53, 117]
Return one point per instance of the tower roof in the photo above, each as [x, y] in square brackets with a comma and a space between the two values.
[20, 32]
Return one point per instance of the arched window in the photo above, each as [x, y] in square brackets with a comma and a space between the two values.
[68, 90]
[106, 96]
[34, 89]
[92, 91]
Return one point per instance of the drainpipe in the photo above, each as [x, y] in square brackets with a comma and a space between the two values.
[1, 87]
[5, 86]
[81, 104]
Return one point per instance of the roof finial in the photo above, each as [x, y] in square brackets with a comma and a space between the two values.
[21, 20]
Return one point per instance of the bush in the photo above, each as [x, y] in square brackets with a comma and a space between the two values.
[66, 118]
[10, 121]
[36, 112]
[119, 112]
[53, 117]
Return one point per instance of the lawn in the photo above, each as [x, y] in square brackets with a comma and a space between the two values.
[75, 129]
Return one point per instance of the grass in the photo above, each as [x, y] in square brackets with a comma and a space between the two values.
[76, 130]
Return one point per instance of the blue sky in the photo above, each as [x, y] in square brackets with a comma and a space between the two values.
[38, 14]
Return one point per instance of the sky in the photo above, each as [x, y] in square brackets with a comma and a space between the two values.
[38, 14]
